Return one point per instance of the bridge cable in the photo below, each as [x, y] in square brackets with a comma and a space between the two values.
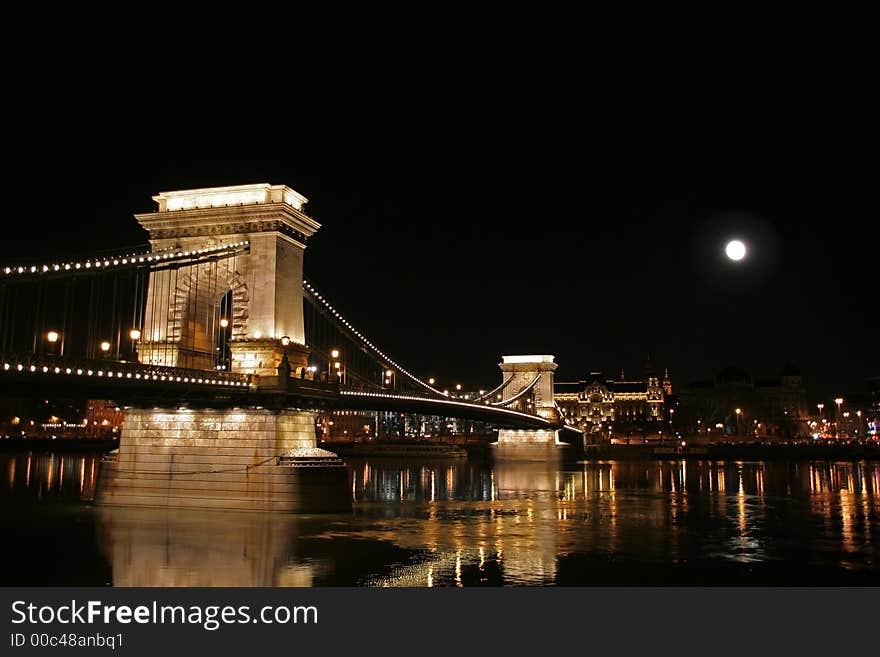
[358, 338]
[503, 385]
[507, 402]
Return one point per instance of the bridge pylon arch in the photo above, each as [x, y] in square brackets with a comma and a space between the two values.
[181, 314]
[530, 386]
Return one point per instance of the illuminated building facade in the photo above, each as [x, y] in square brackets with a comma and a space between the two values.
[597, 403]
[873, 411]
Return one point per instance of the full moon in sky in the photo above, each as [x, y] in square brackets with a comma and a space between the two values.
[735, 250]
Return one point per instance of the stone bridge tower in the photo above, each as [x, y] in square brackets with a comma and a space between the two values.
[262, 287]
[215, 456]
[530, 444]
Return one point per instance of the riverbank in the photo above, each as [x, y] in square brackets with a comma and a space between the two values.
[751, 452]
[48, 444]
[401, 449]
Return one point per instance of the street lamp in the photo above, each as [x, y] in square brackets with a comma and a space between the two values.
[334, 353]
[52, 338]
[337, 365]
[135, 335]
[431, 381]
[284, 365]
[738, 413]
[105, 347]
[838, 401]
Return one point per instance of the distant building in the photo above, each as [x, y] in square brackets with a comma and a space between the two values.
[735, 403]
[859, 413]
[872, 421]
[598, 403]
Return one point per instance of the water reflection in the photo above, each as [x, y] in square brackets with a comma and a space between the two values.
[47, 477]
[466, 523]
[174, 547]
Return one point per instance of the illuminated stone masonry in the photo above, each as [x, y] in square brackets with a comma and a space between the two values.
[597, 403]
[230, 313]
[238, 459]
[532, 375]
[182, 304]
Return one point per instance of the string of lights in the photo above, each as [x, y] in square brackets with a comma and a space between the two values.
[132, 259]
[137, 373]
[315, 295]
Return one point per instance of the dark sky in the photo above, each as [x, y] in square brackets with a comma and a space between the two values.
[540, 182]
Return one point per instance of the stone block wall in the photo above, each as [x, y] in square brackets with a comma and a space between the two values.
[222, 459]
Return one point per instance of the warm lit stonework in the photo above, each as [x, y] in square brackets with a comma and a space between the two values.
[597, 403]
[262, 285]
[240, 459]
[249, 458]
[528, 383]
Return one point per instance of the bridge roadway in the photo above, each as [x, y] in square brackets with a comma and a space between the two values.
[136, 384]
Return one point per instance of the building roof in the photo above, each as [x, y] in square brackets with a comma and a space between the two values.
[733, 376]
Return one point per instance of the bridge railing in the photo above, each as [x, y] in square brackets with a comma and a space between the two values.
[32, 364]
[410, 394]
[388, 391]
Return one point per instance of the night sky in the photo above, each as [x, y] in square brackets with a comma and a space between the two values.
[541, 182]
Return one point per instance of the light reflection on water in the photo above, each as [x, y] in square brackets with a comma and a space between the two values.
[463, 523]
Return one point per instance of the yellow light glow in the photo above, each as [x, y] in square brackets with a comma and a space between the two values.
[527, 359]
[105, 346]
[235, 195]
[52, 336]
[135, 334]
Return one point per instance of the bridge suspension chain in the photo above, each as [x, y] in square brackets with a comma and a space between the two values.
[369, 365]
[152, 259]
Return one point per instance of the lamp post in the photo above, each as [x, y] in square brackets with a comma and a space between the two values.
[338, 370]
[105, 348]
[334, 354]
[738, 412]
[52, 338]
[135, 335]
[838, 401]
[284, 365]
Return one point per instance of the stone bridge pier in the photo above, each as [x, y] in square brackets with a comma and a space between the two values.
[534, 372]
[250, 307]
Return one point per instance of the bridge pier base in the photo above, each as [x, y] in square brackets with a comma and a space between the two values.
[233, 459]
[527, 445]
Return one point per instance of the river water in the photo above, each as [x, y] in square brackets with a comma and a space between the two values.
[465, 523]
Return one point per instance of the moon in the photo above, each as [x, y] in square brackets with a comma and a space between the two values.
[735, 250]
